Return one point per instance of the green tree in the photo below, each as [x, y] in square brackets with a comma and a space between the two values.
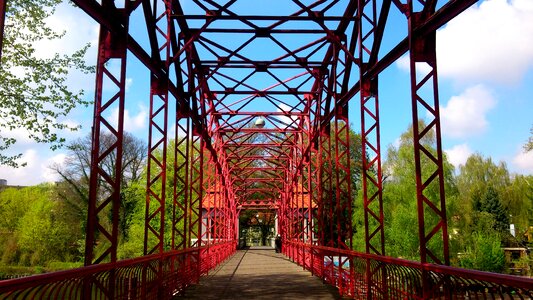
[529, 145]
[475, 178]
[399, 196]
[12, 210]
[37, 229]
[33, 90]
[492, 205]
[132, 241]
[484, 253]
[518, 199]
[135, 194]
[44, 236]
[74, 173]
[329, 196]
[476, 175]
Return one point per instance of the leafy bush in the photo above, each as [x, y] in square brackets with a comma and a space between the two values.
[484, 254]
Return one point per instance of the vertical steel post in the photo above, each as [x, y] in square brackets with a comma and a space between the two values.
[343, 177]
[327, 187]
[195, 189]
[370, 137]
[110, 47]
[429, 165]
[181, 181]
[105, 187]
[432, 221]
[157, 142]
[372, 177]
[156, 168]
[158, 23]
[183, 140]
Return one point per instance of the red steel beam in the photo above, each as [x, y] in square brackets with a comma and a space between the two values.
[157, 133]
[446, 13]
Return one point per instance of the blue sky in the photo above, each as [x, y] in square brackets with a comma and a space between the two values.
[485, 65]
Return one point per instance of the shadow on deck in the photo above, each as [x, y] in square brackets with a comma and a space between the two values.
[260, 273]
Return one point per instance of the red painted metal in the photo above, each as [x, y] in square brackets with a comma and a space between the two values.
[369, 40]
[157, 21]
[195, 191]
[297, 163]
[104, 189]
[130, 278]
[181, 183]
[429, 166]
[182, 162]
[403, 277]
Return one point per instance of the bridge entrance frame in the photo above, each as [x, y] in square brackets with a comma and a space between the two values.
[300, 164]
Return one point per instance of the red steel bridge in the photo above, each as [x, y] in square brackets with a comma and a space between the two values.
[262, 101]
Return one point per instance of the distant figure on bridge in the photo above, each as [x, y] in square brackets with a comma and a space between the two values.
[277, 243]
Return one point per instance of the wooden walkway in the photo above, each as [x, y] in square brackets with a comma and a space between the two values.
[260, 274]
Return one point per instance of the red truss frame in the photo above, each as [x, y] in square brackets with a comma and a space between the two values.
[265, 130]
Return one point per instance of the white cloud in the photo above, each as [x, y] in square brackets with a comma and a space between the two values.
[397, 142]
[22, 134]
[465, 115]
[523, 161]
[129, 82]
[287, 121]
[47, 173]
[172, 132]
[492, 41]
[36, 171]
[79, 30]
[458, 154]
[405, 64]
[24, 175]
[131, 123]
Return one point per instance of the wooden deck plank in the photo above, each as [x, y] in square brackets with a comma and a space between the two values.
[260, 274]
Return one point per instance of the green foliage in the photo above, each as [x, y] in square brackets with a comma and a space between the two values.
[479, 202]
[518, 199]
[33, 90]
[484, 253]
[358, 224]
[488, 197]
[529, 145]
[333, 168]
[131, 242]
[492, 205]
[401, 233]
[43, 235]
[40, 230]
[74, 186]
[13, 207]
[61, 265]
[399, 197]
[8, 272]
[476, 176]
[132, 245]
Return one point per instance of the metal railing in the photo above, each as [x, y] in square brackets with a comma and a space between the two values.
[358, 275]
[367, 276]
[157, 276]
